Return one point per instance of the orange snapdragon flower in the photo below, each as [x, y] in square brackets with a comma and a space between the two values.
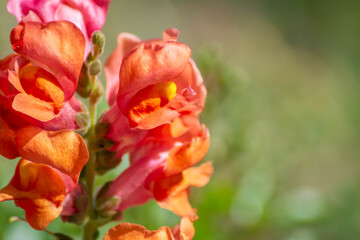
[51, 171]
[42, 77]
[39, 190]
[161, 167]
[128, 231]
[156, 81]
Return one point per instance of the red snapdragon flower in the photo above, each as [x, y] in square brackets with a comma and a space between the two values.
[88, 15]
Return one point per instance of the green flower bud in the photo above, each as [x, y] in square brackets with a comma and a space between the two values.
[98, 41]
[84, 83]
[105, 206]
[95, 68]
[108, 204]
[105, 161]
[100, 144]
[82, 119]
[97, 92]
[111, 215]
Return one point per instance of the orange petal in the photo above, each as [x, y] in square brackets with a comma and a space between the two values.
[195, 176]
[187, 155]
[167, 186]
[184, 127]
[198, 176]
[179, 204]
[64, 150]
[158, 116]
[172, 192]
[173, 130]
[129, 231]
[34, 107]
[151, 64]
[185, 230]
[15, 81]
[41, 84]
[40, 212]
[39, 190]
[177, 128]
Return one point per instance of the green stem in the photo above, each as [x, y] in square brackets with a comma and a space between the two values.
[90, 227]
[90, 176]
[89, 231]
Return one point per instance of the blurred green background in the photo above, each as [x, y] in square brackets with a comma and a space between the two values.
[283, 110]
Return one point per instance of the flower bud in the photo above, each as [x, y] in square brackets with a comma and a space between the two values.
[111, 215]
[103, 191]
[105, 206]
[108, 204]
[95, 68]
[84, 83]
[97, 92]
[76, 207]
[98, 40]
[100, 144]
[106, 160]
[82, 120]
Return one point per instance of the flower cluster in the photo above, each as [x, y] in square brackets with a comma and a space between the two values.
[155, 93]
